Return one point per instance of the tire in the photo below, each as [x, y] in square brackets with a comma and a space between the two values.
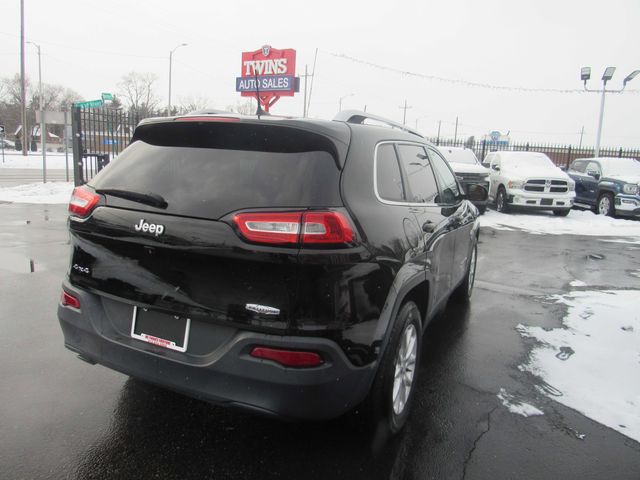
[463, 292]
[562, 213]
[605, 205]
[482, 209]
[389, 401]
[501, 200]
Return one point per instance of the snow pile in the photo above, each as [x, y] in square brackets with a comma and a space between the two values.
[578, 283]
[13, 159]
[592, 364]
[52, 192]
[519, 408]
[578, 222]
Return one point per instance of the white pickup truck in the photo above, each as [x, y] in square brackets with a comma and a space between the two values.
[529, 180]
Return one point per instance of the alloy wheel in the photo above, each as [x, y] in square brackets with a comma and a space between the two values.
[405, 368]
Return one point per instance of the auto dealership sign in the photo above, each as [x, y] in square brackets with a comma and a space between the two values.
[268, 73]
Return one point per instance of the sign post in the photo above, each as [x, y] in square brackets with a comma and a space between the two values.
[268, 74]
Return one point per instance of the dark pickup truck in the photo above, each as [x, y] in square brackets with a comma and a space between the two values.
[611, 186]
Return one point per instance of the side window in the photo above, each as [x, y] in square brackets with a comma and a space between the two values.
[578, 166]
[593, 167]
[446, 179]
[422, 186]
[388, 176]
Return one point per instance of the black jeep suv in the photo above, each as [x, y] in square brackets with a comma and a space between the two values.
[285, 266]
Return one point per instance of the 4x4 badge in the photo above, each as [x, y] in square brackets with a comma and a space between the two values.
[143, 226]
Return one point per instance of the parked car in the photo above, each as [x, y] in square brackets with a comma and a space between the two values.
[285, 266]
[608, 185]
[7, 144]
[469, 171]
[529, 180]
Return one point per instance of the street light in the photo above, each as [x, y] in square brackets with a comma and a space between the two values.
[585, 75]
[170, 64]
[43, 125]
[342, 98]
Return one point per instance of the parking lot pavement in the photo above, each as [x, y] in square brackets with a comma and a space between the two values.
[62, 418]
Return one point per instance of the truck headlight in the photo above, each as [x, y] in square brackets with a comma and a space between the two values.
[517, 184]
[630, 188]
[572, 186]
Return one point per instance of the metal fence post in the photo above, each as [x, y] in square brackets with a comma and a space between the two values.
[568, 157]
[77, 146]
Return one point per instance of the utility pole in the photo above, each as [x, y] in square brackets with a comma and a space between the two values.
[23, 88]
[43, 123]
[455, 135]
[581, 135]
[439, 125]
[313, 76]
[342, 98]
[304, 107]
[170, 65]
[404, 115]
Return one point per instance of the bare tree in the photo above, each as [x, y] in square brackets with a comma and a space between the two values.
[244, 108]
[193, 103]
[137, 89]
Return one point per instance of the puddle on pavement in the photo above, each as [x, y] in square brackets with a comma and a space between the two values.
[18, 263]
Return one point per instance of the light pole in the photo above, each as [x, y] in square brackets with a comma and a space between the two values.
[585, 75]
[43, 124]
[342, 98]
[170, 65]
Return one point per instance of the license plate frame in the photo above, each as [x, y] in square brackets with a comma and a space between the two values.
[546, 202]
[171, 344]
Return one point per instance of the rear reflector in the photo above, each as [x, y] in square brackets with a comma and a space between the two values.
[293, 228]
[69, 300]
[288, 358]
[207, 119]
[82, 201]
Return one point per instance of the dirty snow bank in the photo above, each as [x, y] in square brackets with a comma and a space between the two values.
[515, 406]
[592, 364]
[578, 222]
[51, 192]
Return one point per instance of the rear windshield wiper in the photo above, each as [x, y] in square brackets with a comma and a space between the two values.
[152, 199]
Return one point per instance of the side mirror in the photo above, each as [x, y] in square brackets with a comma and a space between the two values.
[563, 168]
[594, 174]
[496, 168]
[476, 193]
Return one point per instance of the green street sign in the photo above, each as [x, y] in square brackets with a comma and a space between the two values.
[107, 96]
[89, 104]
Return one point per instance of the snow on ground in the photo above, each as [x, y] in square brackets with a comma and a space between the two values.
[55, 160]
[578, 283]
[592, 364]
[578, 222]
[517, 407]
[51, 192]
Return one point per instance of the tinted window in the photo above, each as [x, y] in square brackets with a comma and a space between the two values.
[578, 166]
[388, 177]
[593, 167]
[211, 182]
[446, 179]
[422, 186]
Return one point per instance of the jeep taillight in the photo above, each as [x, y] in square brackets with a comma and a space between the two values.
[82, 201]
[295, 228]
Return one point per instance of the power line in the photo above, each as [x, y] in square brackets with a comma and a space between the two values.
[455, 81]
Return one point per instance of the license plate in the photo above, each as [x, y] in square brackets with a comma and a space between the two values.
[161, 329]
[546, 201]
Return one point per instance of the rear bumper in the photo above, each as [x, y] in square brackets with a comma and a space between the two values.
[227, 376]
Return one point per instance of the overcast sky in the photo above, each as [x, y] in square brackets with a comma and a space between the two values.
[89, 45]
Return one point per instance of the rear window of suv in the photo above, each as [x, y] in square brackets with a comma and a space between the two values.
[208, 171]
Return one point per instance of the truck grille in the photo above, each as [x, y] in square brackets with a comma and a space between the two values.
[546, 186]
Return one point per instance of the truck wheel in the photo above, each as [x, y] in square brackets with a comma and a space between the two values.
[501, 200]
[393, 389]
[562, 213]
[605, 205]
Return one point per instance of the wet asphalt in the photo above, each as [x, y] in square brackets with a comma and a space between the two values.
[62, 418]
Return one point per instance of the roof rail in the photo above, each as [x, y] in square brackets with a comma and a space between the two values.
[357, 116]
[210, 111]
